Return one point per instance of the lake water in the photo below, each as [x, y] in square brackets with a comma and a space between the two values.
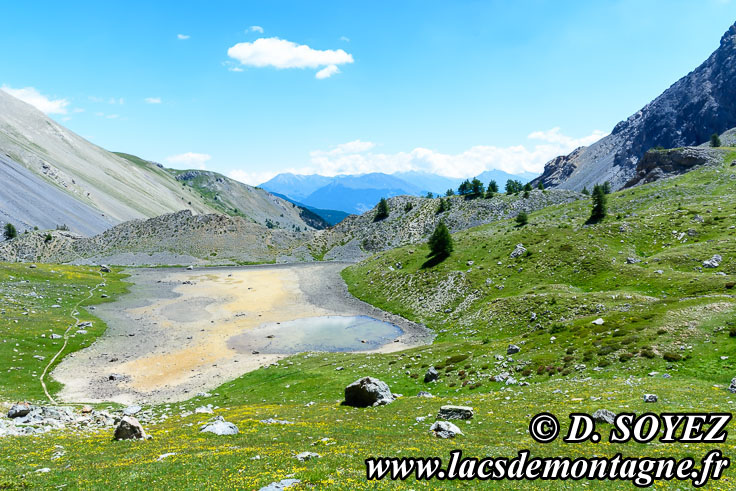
[326, 333]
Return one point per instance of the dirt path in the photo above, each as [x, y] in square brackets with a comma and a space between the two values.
[168, 338]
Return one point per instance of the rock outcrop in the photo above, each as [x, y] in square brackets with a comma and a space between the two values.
[658, 164]
[688, 113]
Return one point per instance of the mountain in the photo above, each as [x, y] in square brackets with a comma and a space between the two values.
[231, 197]
[688, 113]
[501, 177]
[358, 193]
[27, 201]
[117, 188]
[51, 176]
[332, 217]
[295, 186]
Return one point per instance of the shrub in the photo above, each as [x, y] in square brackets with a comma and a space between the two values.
[408, 207]
[669, 356]
[440, 243]
[715, 140]
[625, 357]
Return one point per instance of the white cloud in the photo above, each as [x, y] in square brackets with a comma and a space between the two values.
[235, 69]
[257, 29]
[345, 39]
[189, 159]
[279, 53]
[359, 157]
[153, 100]
[41, 102]
[112, 116]
[183, 36]
[327, 72]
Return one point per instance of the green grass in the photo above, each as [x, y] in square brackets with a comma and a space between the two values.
[568, 279]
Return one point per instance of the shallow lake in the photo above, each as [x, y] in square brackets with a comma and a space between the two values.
[325, 333]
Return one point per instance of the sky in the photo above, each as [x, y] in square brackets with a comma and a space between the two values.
[251, 89]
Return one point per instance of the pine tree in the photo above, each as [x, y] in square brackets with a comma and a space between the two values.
[522, 219]
[464, 188]
[440, 242]
[599, 204]
[450, 192]
[476, 187]
[381, 210]
[9, 232]
[585, 191]
[715, 140]
[540, 186]
[492, 189]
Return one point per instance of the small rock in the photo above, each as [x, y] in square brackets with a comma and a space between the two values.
[598, 322]
[431, 375]
[650, 398]
[220, 427]
[203, 410]
[105, 268]
[731, 388]
[282, 484]
[445, 429]
[512, 349]
[305, 456]
[604, 416]
[132, 410]
[455, 412]
[426, 394]
[19, 410]
[713, 262]
[518, 251]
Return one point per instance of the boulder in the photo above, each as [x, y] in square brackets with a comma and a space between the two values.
[130, 429]
[518, 251]
[105, 268]
[445, 429]
[220, 427]
[713, 262]
[604, 416]
[512, 349]
[132, 410]
[19, 410]
[455, 412]
[598, 322]
[650, 398]
[431, 375]
[368, 391]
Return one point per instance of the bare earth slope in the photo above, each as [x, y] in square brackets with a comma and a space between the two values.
[98, 178]
[28, 201]
[687, 114]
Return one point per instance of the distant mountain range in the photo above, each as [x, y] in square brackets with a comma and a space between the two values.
[356, 194]
[698, 105]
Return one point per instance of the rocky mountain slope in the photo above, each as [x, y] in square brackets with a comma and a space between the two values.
[27, 201]
[412, 220]
[170, 239]
[688, 113]
[53, 176]
[101, 180]
[235, 198]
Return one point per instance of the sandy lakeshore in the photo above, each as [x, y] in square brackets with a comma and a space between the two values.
[171, 336]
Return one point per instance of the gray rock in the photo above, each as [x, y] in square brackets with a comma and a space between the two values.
[598, 322]
[604, 416]
[368, 391]
[431, 375]
[512, 349]
[282, 484]
[632, 260]
[426, 394]
[455, 412]
[732, 387]
[132, 410]
[271, 421]
[220, 427]
[19, 410]
[518, 251]
[650, 398]
[305, 456]
[130, 429]
[105, 268]
[56, 336]
[713, 262]
[445, 429]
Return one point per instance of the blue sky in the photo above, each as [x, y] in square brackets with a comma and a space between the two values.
[449, 87]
